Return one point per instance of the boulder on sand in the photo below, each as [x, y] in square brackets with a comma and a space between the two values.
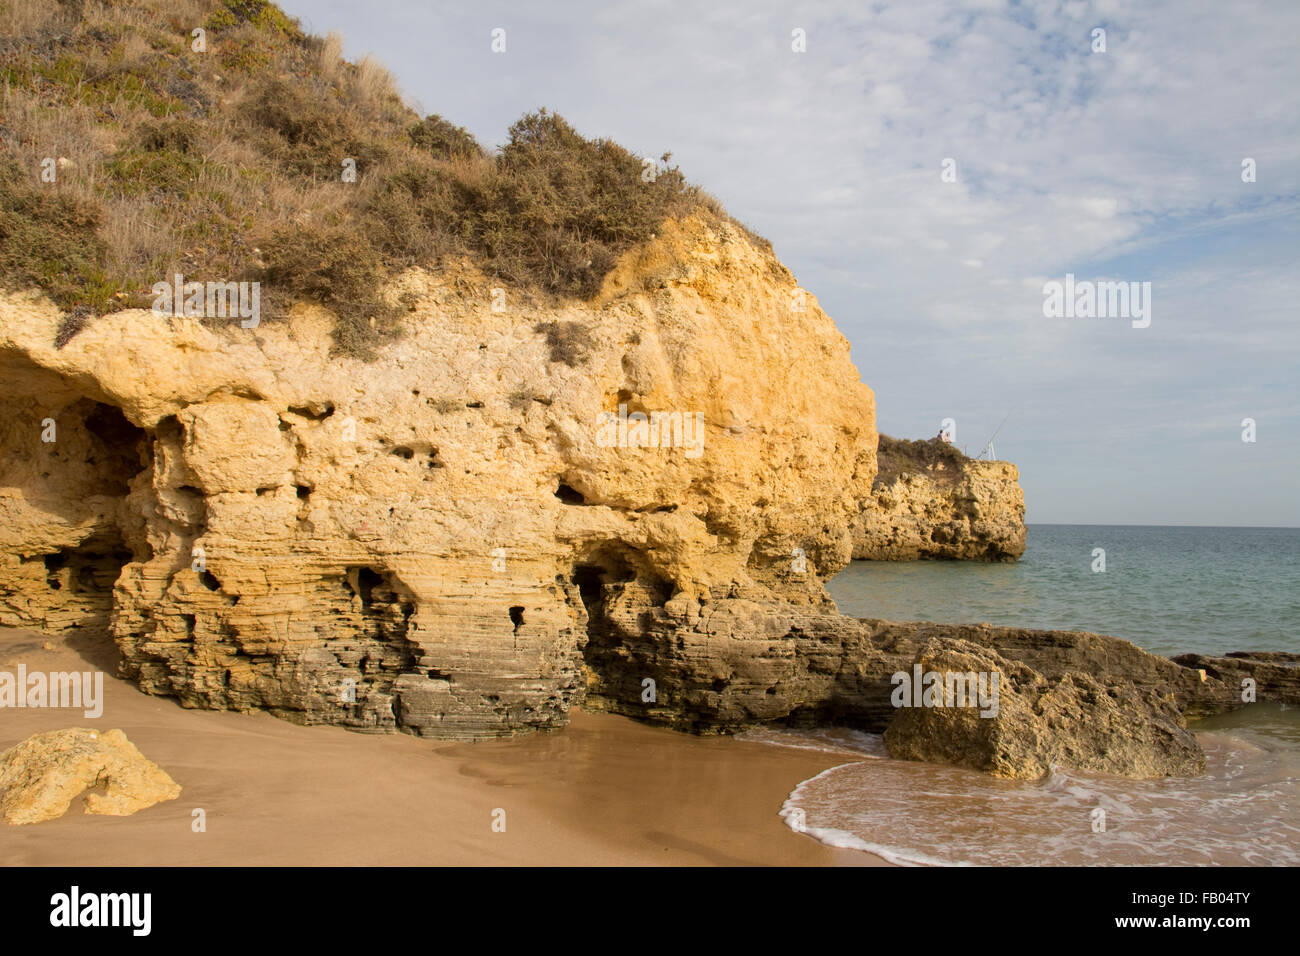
[40, 777]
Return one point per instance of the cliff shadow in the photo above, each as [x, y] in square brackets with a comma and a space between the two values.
[617, 596]
[68, 465]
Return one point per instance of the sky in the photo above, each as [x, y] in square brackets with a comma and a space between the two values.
[1123, 164]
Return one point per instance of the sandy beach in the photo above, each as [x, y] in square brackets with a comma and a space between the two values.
[604, 791]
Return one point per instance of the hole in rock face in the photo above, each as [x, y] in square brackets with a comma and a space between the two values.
[84, 575]
[209, 581]
[374, 645]
[620, 590]
[401, 451]
[569, 495]
[591, 582]
[170, 430]
[97, 454]
[118, 448]
[319, 414]
[97, 563]
[53, 565]
[367, 580]
[304, 492]
[517, 617]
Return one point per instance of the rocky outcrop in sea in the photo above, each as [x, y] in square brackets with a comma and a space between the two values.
[929, 500]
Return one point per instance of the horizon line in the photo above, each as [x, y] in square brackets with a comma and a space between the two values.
[1104, 524]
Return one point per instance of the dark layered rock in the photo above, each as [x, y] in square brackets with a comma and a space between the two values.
[1075, 699]
[1221, 683]
[1029, 725]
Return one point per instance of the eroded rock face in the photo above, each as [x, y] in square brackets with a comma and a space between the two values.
[947, 507]
[40, 777]
[1240, 677]
[1036, 724]
[452, 541]
[61, 500]
[418, 543]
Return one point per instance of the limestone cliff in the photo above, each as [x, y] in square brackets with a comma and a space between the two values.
[435, 541]
[476, 531]
[931, 501]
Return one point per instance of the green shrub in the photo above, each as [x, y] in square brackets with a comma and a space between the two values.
[553, 210]
[262, 14]
[571, 205]
[180, 135]
[314, 136]
[138, 172]
[896, 455]
[443, 140]
[52, 241]
[338, 267]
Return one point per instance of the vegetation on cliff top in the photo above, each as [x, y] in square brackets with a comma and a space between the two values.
[938, 458]
[228, 164]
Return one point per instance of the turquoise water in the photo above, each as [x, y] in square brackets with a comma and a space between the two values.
[1169, 590]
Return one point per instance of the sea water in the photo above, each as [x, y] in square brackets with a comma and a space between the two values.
[1169, 590]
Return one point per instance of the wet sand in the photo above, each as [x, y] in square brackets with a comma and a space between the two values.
[603, 791]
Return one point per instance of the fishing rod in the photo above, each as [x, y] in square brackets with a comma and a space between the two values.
[988, 447]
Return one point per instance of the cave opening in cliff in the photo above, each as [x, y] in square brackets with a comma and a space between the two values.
[84, 576]
[602, 637]
[66, 489]
[376, 645]
[118, 450]
[613, 668]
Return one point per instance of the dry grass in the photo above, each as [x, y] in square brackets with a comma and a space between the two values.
[329, 57]
[21, 18]
[228, 165]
